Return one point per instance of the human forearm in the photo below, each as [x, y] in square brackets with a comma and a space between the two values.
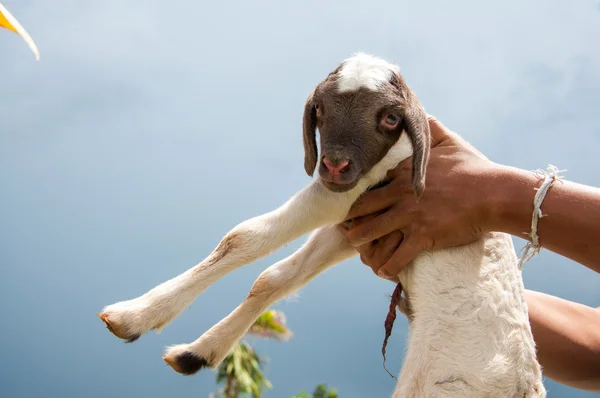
[570, 226]
[567, 336]
[467, 195]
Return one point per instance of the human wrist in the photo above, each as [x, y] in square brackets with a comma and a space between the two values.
[510, 200]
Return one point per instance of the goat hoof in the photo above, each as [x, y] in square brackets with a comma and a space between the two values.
[186, 363]
[117, 330]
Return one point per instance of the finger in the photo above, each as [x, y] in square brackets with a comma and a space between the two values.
[376, 253]
[366, 252]
[385, 248]
[366, 261]
[439, 132]
[379, 226]
[350, 223]
[366, 256]
[402, 174]
[356, 221]
[372, 201]
[347, 225]
[406, 252]
[343, 228]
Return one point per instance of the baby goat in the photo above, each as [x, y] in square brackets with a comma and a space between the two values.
[469, 332]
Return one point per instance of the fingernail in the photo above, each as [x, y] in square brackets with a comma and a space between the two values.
[356, 243]
[383, 273]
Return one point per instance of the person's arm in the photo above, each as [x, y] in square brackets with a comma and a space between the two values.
[567, 336]
[571, 222]
[467, 195]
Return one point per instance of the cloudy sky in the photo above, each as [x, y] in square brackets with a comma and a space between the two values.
[149, 129]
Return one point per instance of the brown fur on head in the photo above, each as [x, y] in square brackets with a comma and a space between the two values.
[361, 109]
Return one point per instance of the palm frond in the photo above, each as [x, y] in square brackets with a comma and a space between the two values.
[241, 371]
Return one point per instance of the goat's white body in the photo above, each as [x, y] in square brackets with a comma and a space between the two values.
[469, 336]
[311, 208]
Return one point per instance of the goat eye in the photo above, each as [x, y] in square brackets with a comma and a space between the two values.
[318, 109]
[391, 119]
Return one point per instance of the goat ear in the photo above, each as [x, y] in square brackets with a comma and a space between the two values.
[309, 127]
[416, 126]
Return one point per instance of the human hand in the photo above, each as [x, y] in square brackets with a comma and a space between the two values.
[376, 253]
[390, 227]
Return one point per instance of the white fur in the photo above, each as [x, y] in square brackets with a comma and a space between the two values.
[469, 336]
[312, 207]
[363, 70]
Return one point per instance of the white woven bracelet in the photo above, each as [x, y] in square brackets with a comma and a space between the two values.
[533, 247]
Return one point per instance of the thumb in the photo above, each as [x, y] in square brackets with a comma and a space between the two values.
[439, 132]
[405, 253]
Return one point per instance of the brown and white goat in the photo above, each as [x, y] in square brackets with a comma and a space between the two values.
[469, 332]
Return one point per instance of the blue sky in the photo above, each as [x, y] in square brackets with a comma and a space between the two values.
[149, 129]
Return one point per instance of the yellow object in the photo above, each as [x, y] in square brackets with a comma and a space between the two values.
[8, 21]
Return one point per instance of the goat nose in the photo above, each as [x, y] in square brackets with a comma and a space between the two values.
[335, 167]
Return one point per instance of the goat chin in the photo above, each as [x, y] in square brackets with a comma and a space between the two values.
[469, 331]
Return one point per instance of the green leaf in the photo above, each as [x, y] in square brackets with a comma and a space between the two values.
[271, 324]
[242, 368]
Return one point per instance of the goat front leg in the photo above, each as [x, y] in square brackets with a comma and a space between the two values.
[310, 208]
[325, 247]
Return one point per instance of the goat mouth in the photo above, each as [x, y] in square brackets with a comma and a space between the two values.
[338, 186]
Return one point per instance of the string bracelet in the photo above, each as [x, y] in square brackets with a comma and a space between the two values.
[533, 246]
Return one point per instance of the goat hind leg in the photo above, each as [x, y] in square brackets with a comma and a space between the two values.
[254, 238]
[325, 248]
